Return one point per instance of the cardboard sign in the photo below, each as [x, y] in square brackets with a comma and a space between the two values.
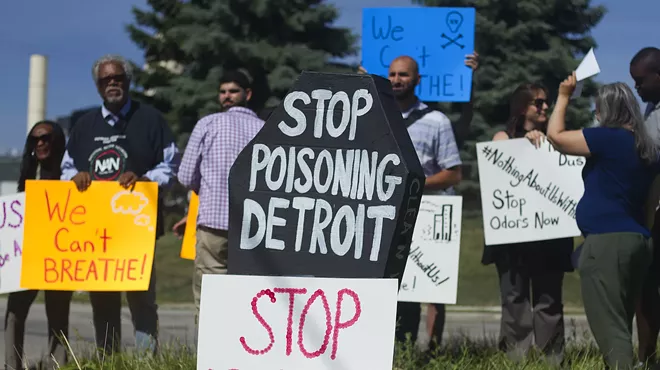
[528, 194]
[437, 38]
[329, 187]
[11, 241]
[255, 322]
[431, 274]
[101, 239]
[190, 233]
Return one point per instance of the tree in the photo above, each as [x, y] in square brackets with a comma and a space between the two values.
[523, 41]
[189, 44]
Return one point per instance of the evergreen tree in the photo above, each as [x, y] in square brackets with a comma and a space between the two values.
[189, 44]
[522, 41]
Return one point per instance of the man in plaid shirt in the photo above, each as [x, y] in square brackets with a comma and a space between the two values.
[214, 145]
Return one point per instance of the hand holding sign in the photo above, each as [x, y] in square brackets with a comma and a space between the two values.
[472, 61]
[567, 86]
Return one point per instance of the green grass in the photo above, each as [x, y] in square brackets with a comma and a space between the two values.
[458, 354]
[477, 284]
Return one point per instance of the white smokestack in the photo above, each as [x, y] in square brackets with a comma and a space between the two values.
[37, 90]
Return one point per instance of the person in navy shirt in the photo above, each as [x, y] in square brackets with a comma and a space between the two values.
[621, 164]
[124, 141]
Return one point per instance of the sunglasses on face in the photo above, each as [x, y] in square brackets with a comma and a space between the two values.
[45, 137]
[538, 103]
[107, 79]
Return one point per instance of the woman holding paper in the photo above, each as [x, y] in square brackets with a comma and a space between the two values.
[531, 274]
[43, 152]
[622, 163]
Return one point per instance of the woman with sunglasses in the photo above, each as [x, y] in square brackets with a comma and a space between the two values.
[43, 152]
[538, 266]
[621, 164]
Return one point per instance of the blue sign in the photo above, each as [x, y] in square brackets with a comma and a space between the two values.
[437, 38]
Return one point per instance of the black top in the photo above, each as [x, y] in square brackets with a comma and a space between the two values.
[135, 143]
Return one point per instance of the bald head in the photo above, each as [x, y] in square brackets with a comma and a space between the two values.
[645, 70]
[408, 62]
[404, 76]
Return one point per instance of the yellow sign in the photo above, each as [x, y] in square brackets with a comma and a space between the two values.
[190, 233]
[101, 239]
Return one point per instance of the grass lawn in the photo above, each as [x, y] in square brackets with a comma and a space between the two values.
[459, 354]
[477, 285]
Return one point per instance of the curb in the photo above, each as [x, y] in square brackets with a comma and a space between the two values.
[568, 310]
[574, 310]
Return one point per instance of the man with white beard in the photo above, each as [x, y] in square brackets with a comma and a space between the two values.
[124, 141]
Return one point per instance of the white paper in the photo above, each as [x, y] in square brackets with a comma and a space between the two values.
[246, 323]
[528, 194]
[11, 242]
[587, 68]
[431, 274]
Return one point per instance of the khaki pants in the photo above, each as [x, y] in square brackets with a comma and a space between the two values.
[211, 253]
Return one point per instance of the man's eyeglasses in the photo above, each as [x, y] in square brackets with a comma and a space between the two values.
[107, 79]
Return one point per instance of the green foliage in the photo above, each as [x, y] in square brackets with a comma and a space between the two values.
[188, 45]
[523, 41]
[273, 40]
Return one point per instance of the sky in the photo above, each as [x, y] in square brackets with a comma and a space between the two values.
[74, 33]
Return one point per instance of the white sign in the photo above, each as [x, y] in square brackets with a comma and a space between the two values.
[11, 242]
[528, 194]
[431, 274]
[259, 322]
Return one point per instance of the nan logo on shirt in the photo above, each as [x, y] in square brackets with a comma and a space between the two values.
[107, 162]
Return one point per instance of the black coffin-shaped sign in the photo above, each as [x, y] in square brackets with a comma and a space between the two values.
[330, 187]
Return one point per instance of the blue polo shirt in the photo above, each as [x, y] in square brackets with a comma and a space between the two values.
[616, 184]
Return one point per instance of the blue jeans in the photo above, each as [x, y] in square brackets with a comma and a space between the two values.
[106, 307]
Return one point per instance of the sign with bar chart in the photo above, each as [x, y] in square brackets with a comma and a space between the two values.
[431, 274]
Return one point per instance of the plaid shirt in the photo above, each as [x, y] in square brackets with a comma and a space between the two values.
[214, 145]
[434, 142]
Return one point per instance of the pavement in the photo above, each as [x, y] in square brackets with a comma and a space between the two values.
[177, 327]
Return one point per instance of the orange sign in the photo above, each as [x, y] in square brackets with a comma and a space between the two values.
[190, 233]
[101, 239]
